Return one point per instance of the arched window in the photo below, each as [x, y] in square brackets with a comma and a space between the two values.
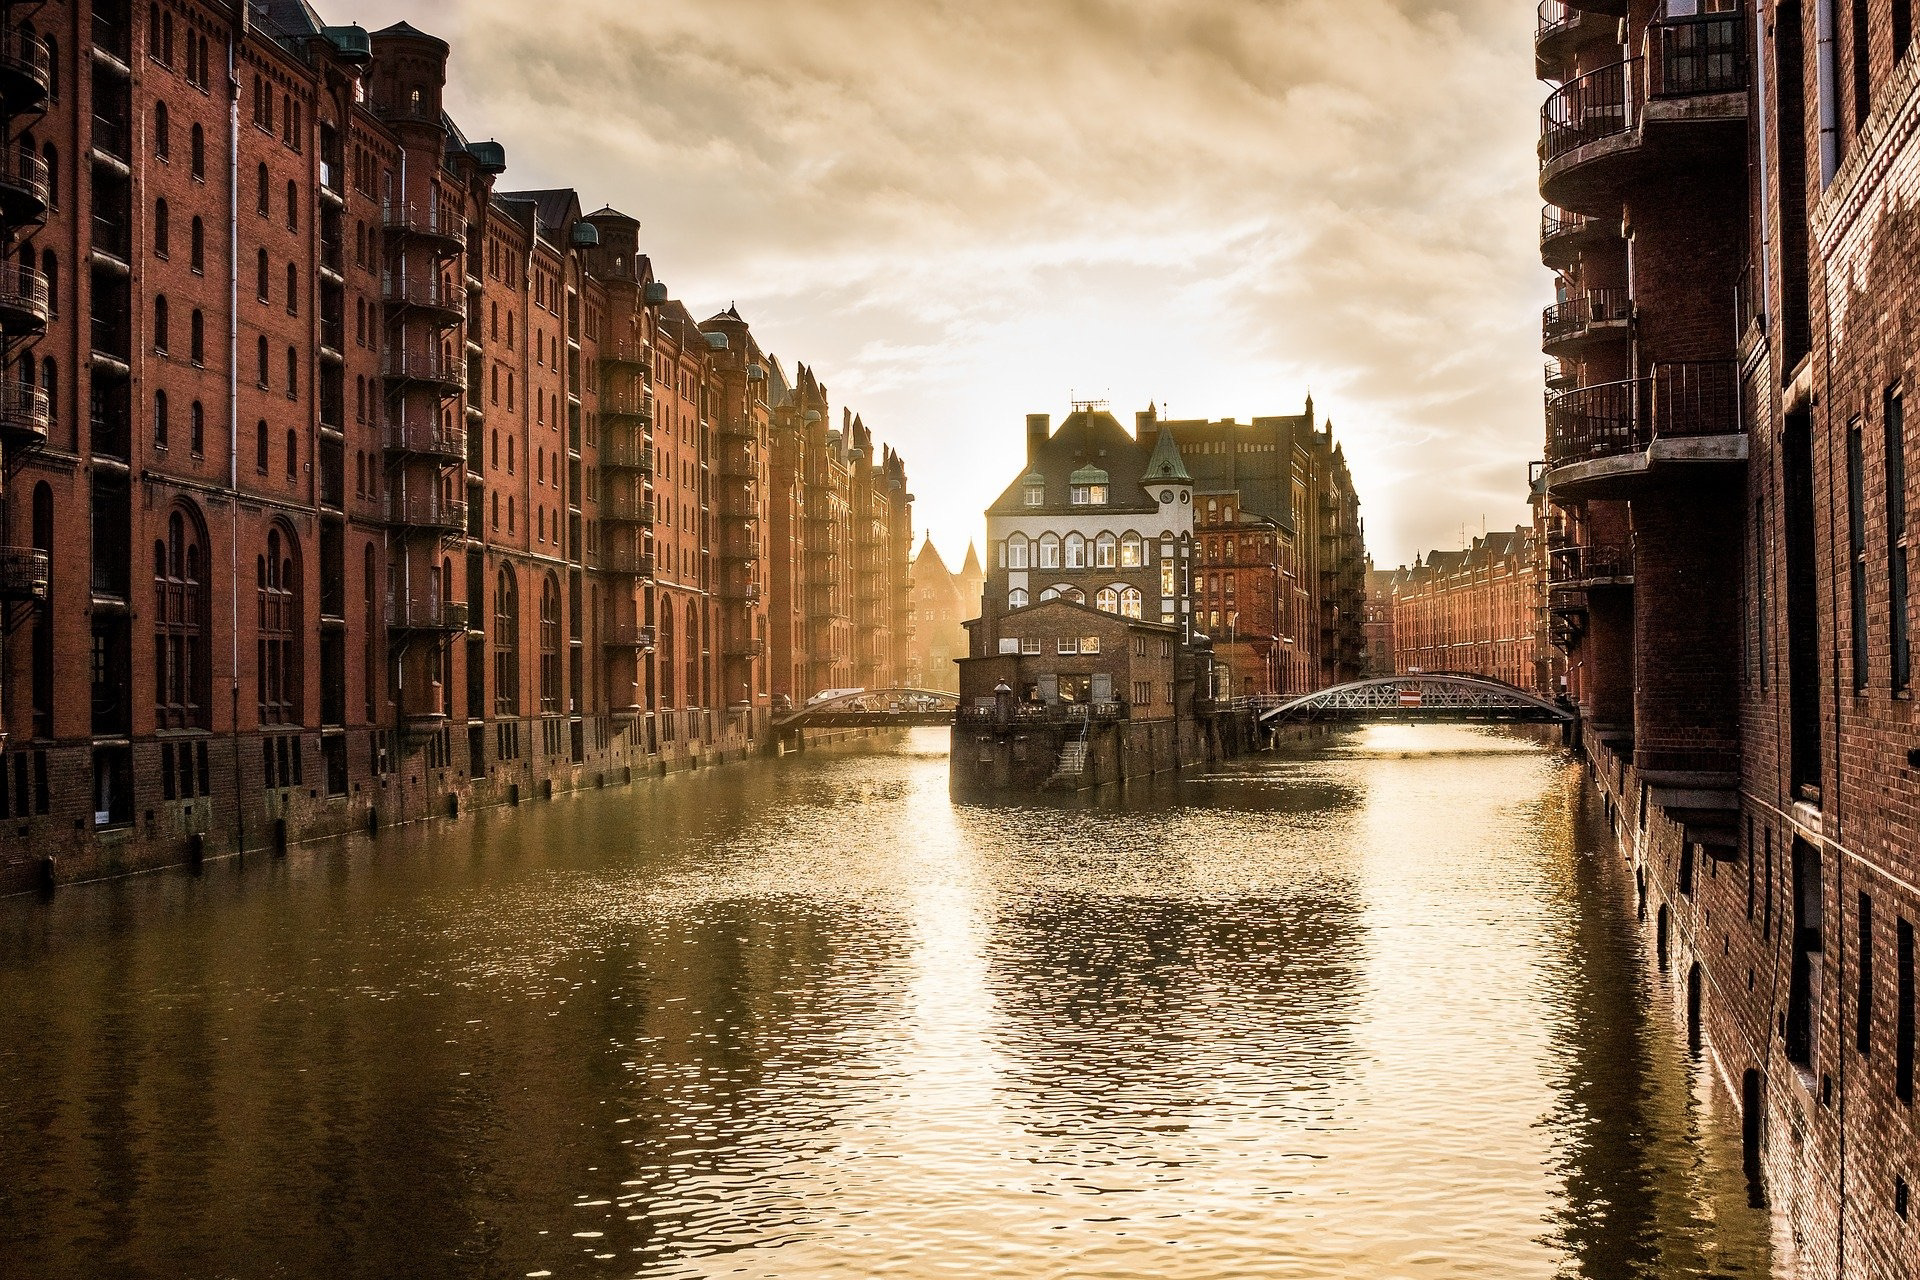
[197, 429]
[506, 644]
[1106, 551]
[43, 619]
[50, 384]
[293, 453]
[197, 337]
[1074, 594]
[293, 290]
[197, 247]
[1076, 548]
[550, 646]
[1017, 551]
[50, 155]
[261, 359]
[197, 152]
[1051, 593]
[159, 419]
[260, 446]
[293, 206]
[666, 651]
[162, 133]
[180, 666]
[293, 373]
[1017, 598]
[162, 236]
[262, 180]
[161, 328]
[1130, 603]
[1132, 551]
[262, 284]
[1049, 551]
[50, 268]
[277, 576]
[1108, 601]
[693, 689]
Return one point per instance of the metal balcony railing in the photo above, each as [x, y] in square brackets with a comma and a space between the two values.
[1698, 54]
[1573, 317]
[24, 411]
[1592, 107]
[626, 455]
[1556, 222]
[434, 221]
[623, 351]
[23, 185]
[625, 560]
[625, 505]
[1680, 399]
[24, 63]
[423, 366]
[425, 510]
[425, 291]
[426, 613]
[23, 297]
[1578, 566]
[638, 404]
[24, 573]
[626, 634]
[428, 436]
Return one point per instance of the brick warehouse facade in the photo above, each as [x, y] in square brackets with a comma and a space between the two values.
[1727, 494]
[369, 488]
[1279, 551]
[1470, 611]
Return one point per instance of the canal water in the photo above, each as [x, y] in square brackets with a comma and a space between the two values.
[1379, 1009]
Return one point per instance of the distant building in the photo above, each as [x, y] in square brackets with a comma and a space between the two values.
[1469, 611]
[1279, 576]
[1378, 624]
[940, 612]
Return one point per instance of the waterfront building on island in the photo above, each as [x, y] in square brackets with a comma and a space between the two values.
[369, 487]
[941, 607]
[1727, 494]
[1470, 611]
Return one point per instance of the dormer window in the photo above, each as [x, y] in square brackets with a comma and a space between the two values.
[1089, 495]
[1036, 495]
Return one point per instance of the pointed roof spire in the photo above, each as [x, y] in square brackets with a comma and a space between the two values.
[1166, 462]
[972, 563]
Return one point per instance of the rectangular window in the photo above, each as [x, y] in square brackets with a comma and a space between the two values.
[1863, 1017]
[1078, 494]
[1166, 579]
[1803, 990]
[1903, 1035]
[1803, 609]
[1857, 552]
[1010, 646]
[1036, 495]
[1030, 644]
[1090, 644]
[1898, 629]
[1066, 644]
[1902, 27]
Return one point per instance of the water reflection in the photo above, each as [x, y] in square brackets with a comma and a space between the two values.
[1372, 1009]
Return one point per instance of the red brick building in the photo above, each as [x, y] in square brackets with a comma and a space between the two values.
[1468, 611]
[941, 608]
[1280, 551]
[1728, 499]
[369, 487]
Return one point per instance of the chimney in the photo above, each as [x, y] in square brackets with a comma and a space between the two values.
[1144, 424]
[1039, 427]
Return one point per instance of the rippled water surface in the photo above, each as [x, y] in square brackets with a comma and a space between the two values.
[1375, 1010]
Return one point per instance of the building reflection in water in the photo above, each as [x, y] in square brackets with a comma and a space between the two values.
[1372, 1010]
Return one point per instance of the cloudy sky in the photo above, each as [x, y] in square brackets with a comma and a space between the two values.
[963, 211]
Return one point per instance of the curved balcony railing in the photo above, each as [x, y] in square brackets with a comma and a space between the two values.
[1680, 399]
[23, 298]
[626, 635]
[428, 436]
[1580, 567]
[426, 510]
[26, 72]
[398, 289]
[428, 613]
[25, 412]
[1587, 109]
[625, 560]
[23, 186]
[623, 352]
[24, 573]
[625, 505]
[435, 222]
[1574, 318]
[627, 405]
[424, 366]
[618, 454]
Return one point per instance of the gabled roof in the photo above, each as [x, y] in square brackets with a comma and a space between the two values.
[1061, 602]
[1086, 437]
[556, 207]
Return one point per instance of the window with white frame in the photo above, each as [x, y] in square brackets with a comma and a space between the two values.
[1030, 644]
[1017, 551]
[1076, 551]
[1066, 645]
[1108, 601]
[1049, 551]
[1017, 598]
[1036, 495]
[1132, 551]
[1106, 551]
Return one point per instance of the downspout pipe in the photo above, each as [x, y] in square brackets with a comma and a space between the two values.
[233, 399]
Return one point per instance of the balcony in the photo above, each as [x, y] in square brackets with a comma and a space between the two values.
[24, 574]
[625, 506]
[1674, 108]
[626, 634]
[25, 72]
[1573, 326]
[636, 404]
[736, 429]
[427, 368]
[23, 299]
[428, 438]
[1561, 375]
[405, 613]
[1602, 439]
[433, 223]
[430, 510]
[23, 188]
[625, 560]
[24, 414]
[623, 354]
[1565, 235]
[754, 648]
[447, 303]
[737, 464]
[1565, 28]
[626, 455]
[1587, 568]
[748, 592]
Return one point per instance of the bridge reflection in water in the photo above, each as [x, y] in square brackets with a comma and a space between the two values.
[1372, 1010]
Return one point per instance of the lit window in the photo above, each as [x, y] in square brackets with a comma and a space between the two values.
[1130, 551]
[1009, 646]
[1108, 601]
[1090, 644]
